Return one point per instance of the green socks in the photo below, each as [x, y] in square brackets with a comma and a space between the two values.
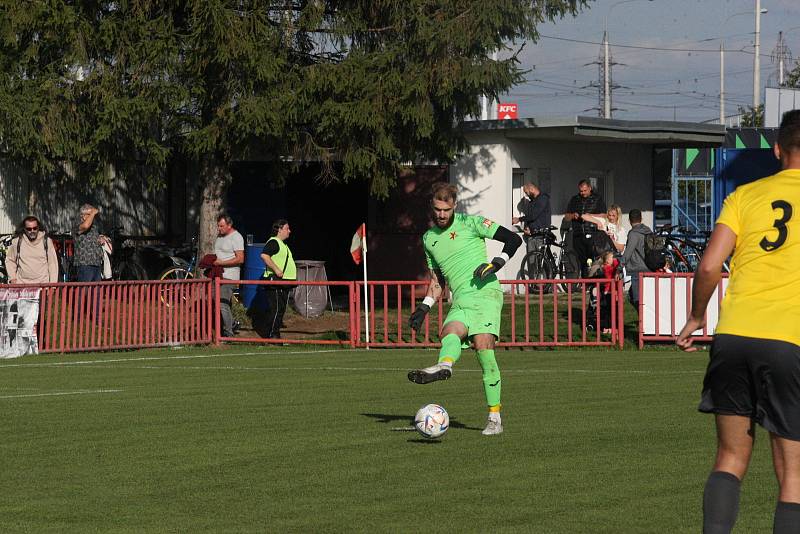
[451, 349]
[491, 377]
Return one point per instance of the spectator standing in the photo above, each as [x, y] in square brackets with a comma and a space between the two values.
[614, 228]
[586, 202]
[229, 250]
[88, 258]
[280, 265]
[536, 214]
[633, 257]
[32, 256]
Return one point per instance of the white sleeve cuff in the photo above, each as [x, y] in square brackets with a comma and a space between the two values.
[429, 301]
[504, 256]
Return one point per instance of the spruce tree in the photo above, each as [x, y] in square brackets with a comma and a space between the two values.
[93, 85]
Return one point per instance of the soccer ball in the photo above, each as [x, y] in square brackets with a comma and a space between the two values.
[432, 421]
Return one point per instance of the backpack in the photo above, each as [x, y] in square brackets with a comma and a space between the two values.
[655, 251]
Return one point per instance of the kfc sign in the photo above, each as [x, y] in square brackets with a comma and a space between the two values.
[506, 110]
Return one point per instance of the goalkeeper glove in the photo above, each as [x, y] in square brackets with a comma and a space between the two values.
[485, 269]
[418, 317]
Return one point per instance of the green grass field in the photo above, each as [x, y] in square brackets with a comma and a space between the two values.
[252, 439]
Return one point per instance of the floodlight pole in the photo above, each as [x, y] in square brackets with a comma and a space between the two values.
[757, 59]
[721, 83]
[606, 79]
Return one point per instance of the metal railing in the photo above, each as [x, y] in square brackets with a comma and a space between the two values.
[538, 317]
[119, 315]
[664, 303]
[351, 328]
[96, 316]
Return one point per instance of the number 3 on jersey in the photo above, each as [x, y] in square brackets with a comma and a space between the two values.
[780, 224]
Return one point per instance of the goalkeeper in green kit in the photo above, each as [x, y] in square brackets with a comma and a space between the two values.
[455, 250]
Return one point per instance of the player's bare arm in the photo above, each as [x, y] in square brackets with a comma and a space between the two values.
[706, 279]
[432, 295]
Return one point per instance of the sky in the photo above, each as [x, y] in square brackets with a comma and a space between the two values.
[679, 83]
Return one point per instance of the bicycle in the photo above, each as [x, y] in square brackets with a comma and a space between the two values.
[683, 252]
[125, 265]
[542, 264]
[181, 269]
[186, 270]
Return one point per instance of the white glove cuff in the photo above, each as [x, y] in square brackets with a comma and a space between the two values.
[429, 301]
[504, 256]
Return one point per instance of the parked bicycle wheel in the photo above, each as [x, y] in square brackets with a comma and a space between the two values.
[569, 268]
[176, 273]
[535, 266]
[679, 263]
[173, 274]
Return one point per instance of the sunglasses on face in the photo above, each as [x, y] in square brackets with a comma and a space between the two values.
[31, 229]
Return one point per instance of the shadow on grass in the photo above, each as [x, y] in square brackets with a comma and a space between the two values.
[386, 418]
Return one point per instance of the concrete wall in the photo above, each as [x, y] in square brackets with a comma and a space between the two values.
[491, 174]
[125, 201]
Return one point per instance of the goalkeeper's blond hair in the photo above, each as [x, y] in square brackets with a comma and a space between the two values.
[445, 192]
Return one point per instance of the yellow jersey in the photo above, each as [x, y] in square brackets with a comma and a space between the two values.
[763, 295]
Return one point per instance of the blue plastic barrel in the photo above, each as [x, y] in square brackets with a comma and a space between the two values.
[253, 270]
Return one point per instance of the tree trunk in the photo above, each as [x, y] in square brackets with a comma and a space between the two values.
[215, 179]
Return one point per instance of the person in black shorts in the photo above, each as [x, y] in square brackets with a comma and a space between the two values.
[753, 375]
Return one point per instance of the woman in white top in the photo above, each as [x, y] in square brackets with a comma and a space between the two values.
[612, 225]
[614, 228]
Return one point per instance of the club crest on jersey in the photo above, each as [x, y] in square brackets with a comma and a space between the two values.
[452, 235]
[487, 223]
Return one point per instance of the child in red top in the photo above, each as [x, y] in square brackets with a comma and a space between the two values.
[610, 272]
[610, 268]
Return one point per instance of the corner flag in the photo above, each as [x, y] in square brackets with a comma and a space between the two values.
[359, 244]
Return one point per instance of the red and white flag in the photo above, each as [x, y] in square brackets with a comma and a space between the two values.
[359, 243]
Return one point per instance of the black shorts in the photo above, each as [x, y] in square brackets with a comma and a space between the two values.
[756, 378]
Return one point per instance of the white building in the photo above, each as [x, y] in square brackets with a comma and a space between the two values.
[617, 156]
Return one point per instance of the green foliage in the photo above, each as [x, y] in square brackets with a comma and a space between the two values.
[793, 79]
[752, 117]
[372, 84]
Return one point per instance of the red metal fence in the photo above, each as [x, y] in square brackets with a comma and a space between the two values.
[351, 318]
[540, 313]
[118, 315]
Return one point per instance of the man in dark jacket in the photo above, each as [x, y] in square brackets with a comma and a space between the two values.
[633, 257]
[585, 202]
[536, 213]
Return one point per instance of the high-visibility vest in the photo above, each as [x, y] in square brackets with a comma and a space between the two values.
[282, 258]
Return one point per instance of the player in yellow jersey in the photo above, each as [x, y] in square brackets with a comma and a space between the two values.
[753, 374]
[455, 250]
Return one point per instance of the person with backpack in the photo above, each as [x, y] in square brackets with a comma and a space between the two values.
[634, 255]
[32, 256]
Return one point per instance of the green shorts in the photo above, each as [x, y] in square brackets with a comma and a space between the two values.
[478, 310]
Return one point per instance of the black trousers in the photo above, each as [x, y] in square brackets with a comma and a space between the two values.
[277, 298]
[605, 310]
[582, 246]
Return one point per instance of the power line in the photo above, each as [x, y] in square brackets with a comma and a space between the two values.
[660, 49]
